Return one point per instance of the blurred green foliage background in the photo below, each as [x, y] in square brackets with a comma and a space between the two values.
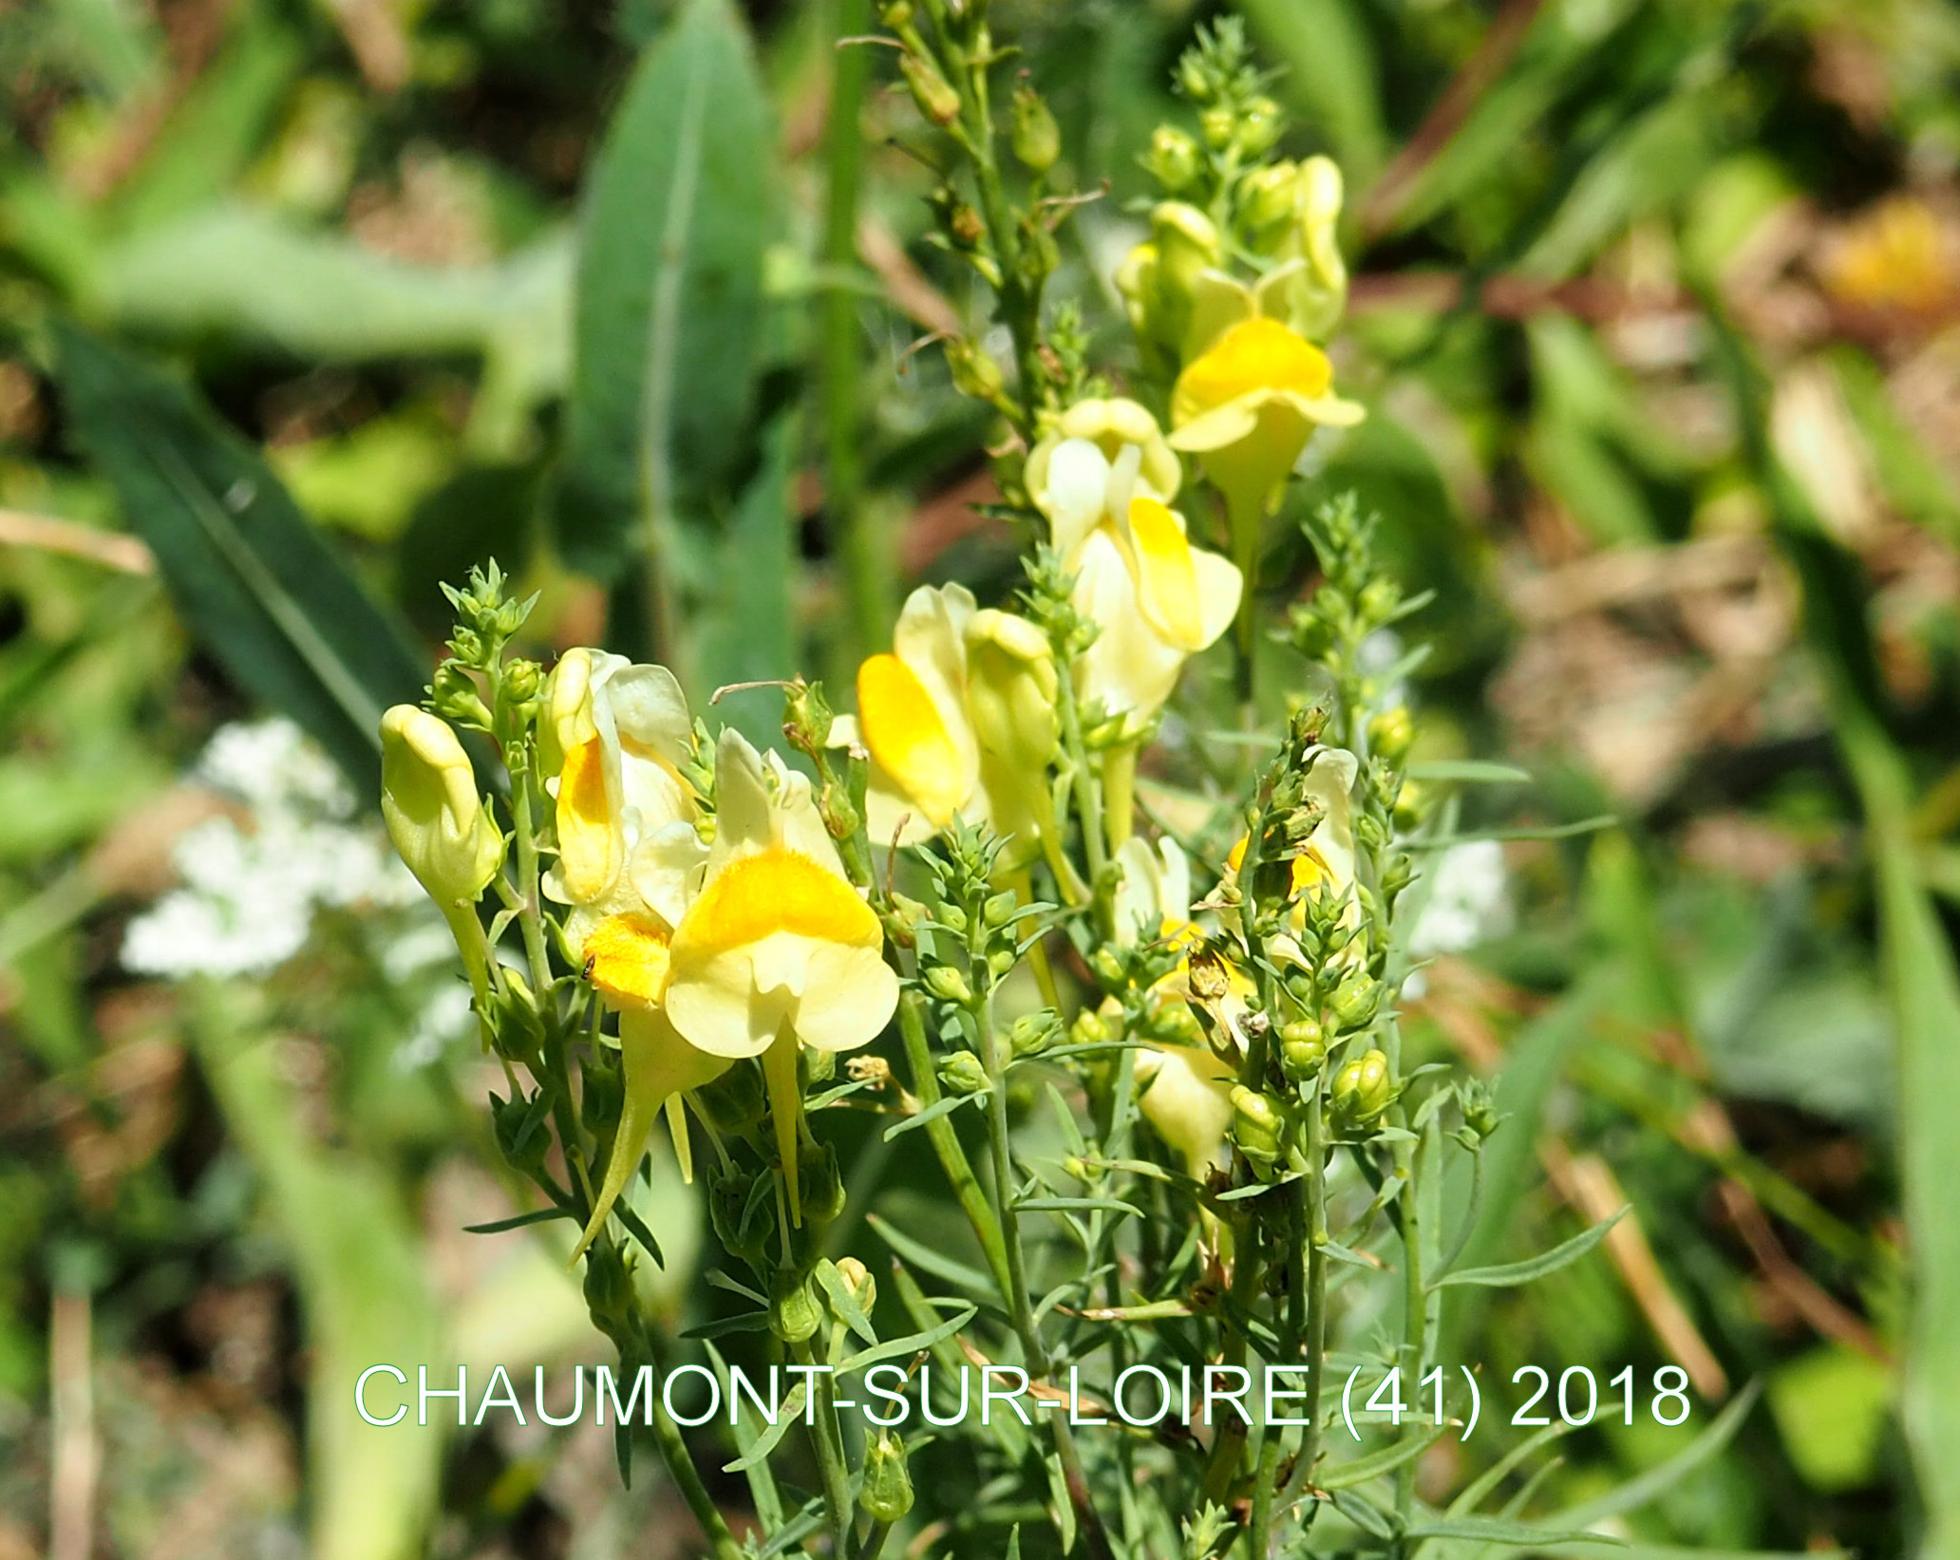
[305, 307]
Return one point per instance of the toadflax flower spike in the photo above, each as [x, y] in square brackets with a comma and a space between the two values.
[777, 949]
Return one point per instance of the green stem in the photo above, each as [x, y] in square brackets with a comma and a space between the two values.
[829, 1446]
[1315, 1296]
[945, 1141]
[1246, 518]
[1020, 1308]
[867, 579]
[1119, 774]
[687, 1479]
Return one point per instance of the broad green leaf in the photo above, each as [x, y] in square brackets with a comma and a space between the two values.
[1508, 1274]
[669, 289]
[252, 579]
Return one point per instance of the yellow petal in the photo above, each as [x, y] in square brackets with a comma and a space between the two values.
[627, 960]
[908, 738]
[1255, 354]
[591, 846]
[1167, 578]
[775, 890]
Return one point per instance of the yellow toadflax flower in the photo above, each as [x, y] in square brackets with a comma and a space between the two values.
[959, 720]
[434, 813]
[1246, 405]
[1186, 1089]
[614, 735]
[1155, 599]
[438, 824]
[776, 949]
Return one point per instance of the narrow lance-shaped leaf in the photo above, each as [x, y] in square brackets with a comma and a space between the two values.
[1509, 1274]
[254, 581]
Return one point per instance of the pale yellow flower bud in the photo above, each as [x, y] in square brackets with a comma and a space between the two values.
[433, 811]
[1011, 689]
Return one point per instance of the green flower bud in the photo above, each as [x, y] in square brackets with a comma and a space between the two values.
[603, 1092]
[1257, 1125]
[729, 1200]
[1479, 1110]
[609, 1289]
[962, 1073]
[896, 14]
[1410, 806]
[1355, 1000]
[522, 1134]
[1302, 1049]
[1362, 1088]
[1219, 126]
[1036, 140]
[999, 908]
[1260, 125]
[1108, 966]
[930, 90]
[857, 1278]
[822, 1183]
[1000, 963]
[1194, 77]
[523, 681]
[1173, 159]
[455, 697]
[794, 1313]
[1379, 599]
[1391, 732]
[886, 1494]
[974, 371]
[814, 1066]
[948, 984]
[1173, 1023]
[434, 814]
[1266, 201]
[1033, 1033]
[1088, 1028]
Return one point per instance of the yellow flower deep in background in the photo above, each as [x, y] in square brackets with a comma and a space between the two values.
[434, 813]
[776, 949]
[1159, 277]
[1896, 255]
[1186, 1089]
[1307, 287]
[1111, 424]
[959, 720]
[1155, 599]
[1246, 406]
[1325, 860]
[614, 734]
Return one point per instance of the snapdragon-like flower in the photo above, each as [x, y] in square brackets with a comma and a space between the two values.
[433, 811]
[959, 720]
[1155, 599]
[776, 949]
[1251, 397]
[614, 734]
[1186, 1089]
[1307, 288]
